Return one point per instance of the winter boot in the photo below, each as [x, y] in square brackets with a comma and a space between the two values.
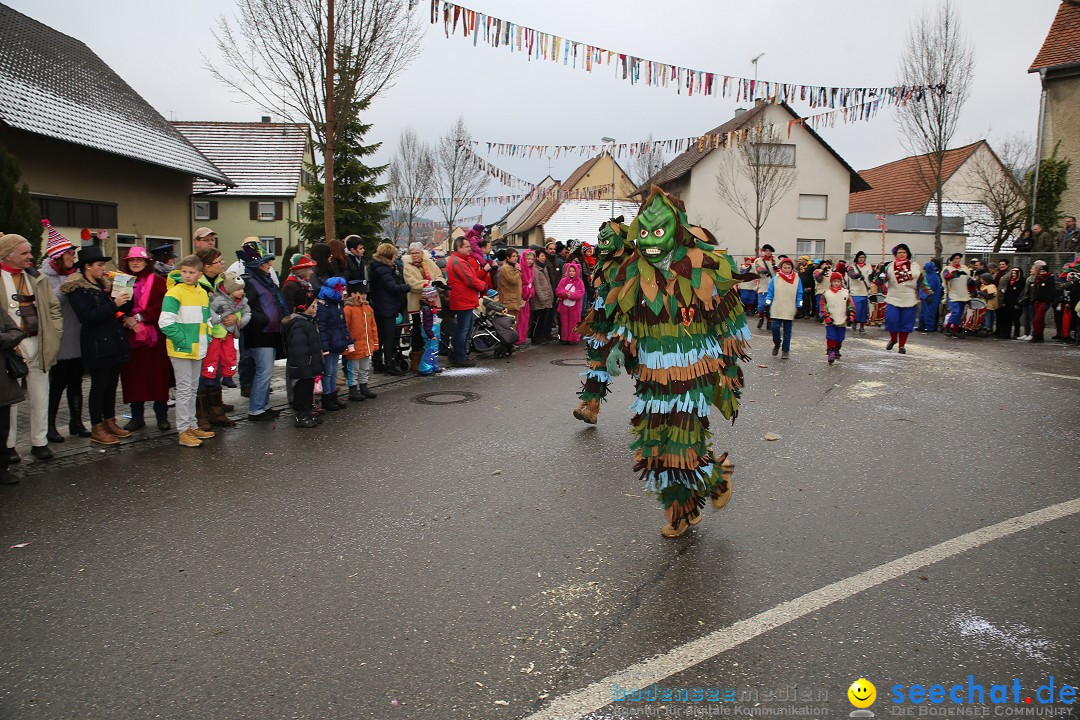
[189, 440]
[215, 410]
[832, 356]
[414, 362]
[7, 478]
[202, 412]
[367, 393]
[115, 430]
[75, 423]
[101, 436]
[228, 382]
[331, 402]
[304, 420]
[355, 395]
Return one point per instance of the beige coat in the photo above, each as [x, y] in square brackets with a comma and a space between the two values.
[414, 276]
[50, 321]
[510, 287]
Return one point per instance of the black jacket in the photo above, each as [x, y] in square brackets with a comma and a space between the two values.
[303, 347]
[1044, 288]
[386, 291]
[355, 269]
[103, 340]
[264, 328]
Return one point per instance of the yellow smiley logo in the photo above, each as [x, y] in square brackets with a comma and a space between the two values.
[862, 693]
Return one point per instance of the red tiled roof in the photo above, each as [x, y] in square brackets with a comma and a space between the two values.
[1062, 43]
[899, 187]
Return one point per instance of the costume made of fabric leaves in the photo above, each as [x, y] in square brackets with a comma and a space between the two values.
[678, 316]
[600, 319]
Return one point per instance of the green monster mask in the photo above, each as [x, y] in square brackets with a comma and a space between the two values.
[610, 241]
[655, 230]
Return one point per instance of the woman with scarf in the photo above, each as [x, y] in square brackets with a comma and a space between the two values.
[906, 287]
[419, 272]
[781, 299]
[385, 296]
[66, 375]
[102, 339]
[262, 335]
[145, 376]
[1009, 314]
[571, 293]
[528, 257]
[543, 297]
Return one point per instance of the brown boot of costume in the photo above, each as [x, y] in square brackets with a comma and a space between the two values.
[101, 436]
[588, 411]
[115, 430]
[202, 412]
[727, 469]
[678, 522]
[414, 362]
[215, 410]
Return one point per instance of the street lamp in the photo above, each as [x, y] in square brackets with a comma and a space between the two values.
[612, 152]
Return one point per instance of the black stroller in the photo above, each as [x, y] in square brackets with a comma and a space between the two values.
[493, 330]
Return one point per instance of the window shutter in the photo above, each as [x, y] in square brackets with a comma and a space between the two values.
[213, 209]
[278, 210]
[254, 209]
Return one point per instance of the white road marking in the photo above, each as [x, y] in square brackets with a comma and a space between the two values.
[1067, 377]
[598, 695]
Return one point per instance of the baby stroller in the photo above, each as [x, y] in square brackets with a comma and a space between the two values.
[493, 329]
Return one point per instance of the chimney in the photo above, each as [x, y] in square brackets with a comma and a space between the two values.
[265, 118]
[739, 111]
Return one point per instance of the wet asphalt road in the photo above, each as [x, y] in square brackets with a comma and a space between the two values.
[421, 561]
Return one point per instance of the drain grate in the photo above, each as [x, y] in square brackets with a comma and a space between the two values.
[445, 397]
[570, 362]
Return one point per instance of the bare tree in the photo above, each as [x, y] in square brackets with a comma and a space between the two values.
[459, 179]
[412, 176]
[938, 59]
[755, 175]
[995, 180]
[274, 54]
[646, 164]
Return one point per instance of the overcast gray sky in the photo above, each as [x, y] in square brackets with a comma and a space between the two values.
[156, 46]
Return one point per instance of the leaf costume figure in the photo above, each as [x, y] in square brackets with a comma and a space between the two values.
[679, 319]
[596, 327]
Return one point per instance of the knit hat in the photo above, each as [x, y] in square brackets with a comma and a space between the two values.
[836, 276]
[9, 243]
[58, 244]
[804, 258]
[986, 278]
[252, 253]
[1037, 263]
[787, 261]
[300, 261]
[901, 246]
[232, 283]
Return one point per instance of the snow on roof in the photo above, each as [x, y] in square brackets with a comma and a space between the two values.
[263, 159]
[581, 219]
[54, 85]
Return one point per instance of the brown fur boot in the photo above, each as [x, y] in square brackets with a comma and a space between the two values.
[588, 411]
[202, 412]
[216, 411]
[414, 362]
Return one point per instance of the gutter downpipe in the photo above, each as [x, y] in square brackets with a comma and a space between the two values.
[1039, 143]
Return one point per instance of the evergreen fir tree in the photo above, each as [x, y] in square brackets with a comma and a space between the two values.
[19, 214]
[355, 186]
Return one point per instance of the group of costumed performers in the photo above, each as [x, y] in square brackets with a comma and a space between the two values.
[668, 310]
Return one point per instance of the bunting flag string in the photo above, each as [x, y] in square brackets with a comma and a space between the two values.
[862, 112]
[434, 224]
[539, 45]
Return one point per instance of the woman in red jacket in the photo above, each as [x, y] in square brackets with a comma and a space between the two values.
[145, 376]
[466, 284]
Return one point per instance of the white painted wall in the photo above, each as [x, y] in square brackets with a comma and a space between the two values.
[819, 174]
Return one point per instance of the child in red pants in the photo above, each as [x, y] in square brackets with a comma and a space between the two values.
[225, 302]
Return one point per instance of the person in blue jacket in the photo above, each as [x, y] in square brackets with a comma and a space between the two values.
[928, 310]
[335, 337]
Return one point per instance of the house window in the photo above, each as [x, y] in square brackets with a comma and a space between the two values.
[72, 212]
[266, 212]
[813, 248]
[124, 242]
[272, 244]
[847, 251]
[202, 209]
[813, 207]
[774, 154]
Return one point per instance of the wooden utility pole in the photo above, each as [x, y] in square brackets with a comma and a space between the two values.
[328, 153]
